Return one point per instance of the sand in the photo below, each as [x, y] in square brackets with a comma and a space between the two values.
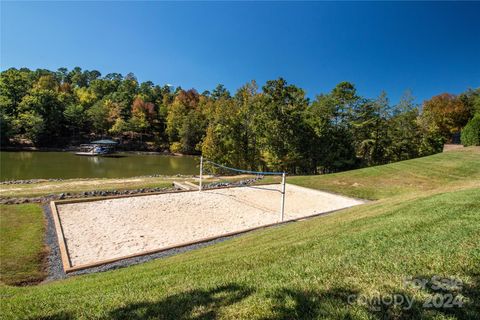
[107, 229]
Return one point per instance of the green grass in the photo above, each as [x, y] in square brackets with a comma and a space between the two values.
[300, 270]
[305, 270]
[416, 175]
[21, 244]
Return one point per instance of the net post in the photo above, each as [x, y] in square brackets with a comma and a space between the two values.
[201, 174]
[282, 211]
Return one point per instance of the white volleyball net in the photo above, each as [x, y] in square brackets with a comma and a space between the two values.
[216, 175]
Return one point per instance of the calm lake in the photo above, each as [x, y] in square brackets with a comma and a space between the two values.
[65, 165]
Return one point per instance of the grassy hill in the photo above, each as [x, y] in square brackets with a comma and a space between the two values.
[426, 223]
[448, 169]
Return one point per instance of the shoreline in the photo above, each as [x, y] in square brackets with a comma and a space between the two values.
[41, 180]
[94, 190]
[73, 149]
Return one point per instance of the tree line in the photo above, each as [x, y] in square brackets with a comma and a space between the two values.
[275, 127]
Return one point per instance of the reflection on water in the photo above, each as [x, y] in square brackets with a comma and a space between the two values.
[25, 155]
[173, 164]
[95, 160]
[65, 165]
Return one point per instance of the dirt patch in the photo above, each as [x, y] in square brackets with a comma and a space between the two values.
[450, 147]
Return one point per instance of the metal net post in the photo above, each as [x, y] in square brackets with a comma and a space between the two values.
[282, 211]
[201, 174]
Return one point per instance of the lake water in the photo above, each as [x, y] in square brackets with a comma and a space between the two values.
[66, 165]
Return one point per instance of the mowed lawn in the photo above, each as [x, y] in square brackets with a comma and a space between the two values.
[333, 266]
[21, 244]
[458, 167]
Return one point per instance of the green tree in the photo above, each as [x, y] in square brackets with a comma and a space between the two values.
[98, 116]
[330, 117]
[319, 118]
[191, 132]
[44, 100]
[75, 117]
[31, 125]
[404, 130]
[280, 126]
[220, 92]
[100, 88]
[245, 133]
[14, 85]
[185, 122]
[275, 128]
[471, 100]
[370, 130]
[119, 127]
[222, 140]
[77, 77]
[471, 132]
[431, 137]
[6, 127]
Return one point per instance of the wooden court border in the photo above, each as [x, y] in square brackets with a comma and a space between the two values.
[66, 262]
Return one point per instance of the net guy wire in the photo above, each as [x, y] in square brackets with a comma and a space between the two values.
[258, 173]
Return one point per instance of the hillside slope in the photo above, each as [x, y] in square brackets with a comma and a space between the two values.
[443, 170]
[333, 266]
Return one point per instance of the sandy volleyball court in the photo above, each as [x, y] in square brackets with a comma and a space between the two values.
[108, 229]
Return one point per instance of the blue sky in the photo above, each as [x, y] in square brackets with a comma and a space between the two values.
[429, 48]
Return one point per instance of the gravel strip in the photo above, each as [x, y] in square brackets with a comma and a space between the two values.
[54, 260]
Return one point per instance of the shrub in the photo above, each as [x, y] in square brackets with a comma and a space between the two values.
[176, 147]
[471, 132]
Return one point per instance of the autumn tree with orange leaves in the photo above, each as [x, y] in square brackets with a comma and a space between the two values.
[448, 113]
[274, 127]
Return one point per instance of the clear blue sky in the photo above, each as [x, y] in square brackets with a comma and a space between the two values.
[428, 48]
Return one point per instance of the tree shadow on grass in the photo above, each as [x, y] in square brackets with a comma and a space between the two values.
[289, 303]
[58, 316]
[437, 302]
[296, 304]
[348, 303]
[444, 297]
[194, 304]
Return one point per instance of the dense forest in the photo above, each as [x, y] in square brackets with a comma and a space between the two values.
[276, 127]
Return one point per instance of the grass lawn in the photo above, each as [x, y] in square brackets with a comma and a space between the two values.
[21, 244]
[426, 224]
[422, 174]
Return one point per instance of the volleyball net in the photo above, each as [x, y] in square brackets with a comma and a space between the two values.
[235, 177]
